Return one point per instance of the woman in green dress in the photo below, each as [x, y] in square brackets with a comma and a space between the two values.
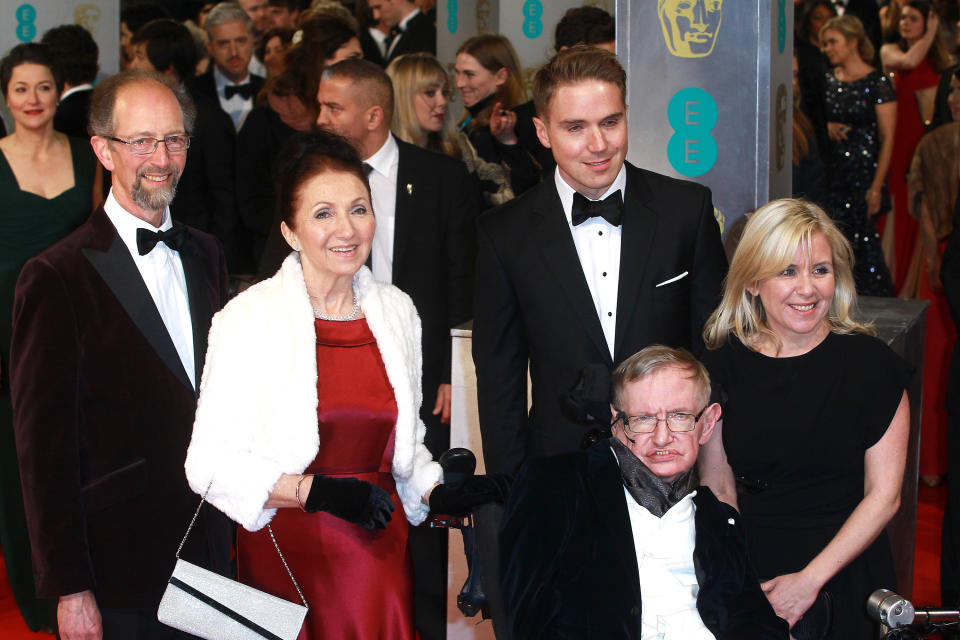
[48, 185]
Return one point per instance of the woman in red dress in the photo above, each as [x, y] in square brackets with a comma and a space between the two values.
[915, 62]
[308, 412]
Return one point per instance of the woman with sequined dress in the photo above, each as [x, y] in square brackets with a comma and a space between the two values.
[861, 116]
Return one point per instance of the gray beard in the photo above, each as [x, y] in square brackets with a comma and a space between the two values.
[155, 199]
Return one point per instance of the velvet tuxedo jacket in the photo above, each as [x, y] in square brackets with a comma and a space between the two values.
[569, 565]
[533, 303]
[420, 35]
[103, 411]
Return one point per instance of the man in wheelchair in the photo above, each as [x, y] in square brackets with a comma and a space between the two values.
[620, 541]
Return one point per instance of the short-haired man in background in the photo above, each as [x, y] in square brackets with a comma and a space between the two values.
[230, 40]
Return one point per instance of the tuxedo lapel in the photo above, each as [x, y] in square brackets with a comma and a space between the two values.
[201, 311]
[636, 245]
[606, 488]
[118, 270]
[560, 255]
[406, 205]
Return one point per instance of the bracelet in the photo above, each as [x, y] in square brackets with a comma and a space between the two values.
[299, 501]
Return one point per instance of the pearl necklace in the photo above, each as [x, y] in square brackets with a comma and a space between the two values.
[350, 316]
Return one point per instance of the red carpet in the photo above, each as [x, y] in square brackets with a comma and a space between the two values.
[926, 571]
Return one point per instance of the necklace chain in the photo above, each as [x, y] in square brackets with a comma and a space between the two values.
[350, 316]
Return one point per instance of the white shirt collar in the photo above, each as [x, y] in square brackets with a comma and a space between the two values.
[222, 81]
[402, 25]
[385, 157]
[72, 90]
[566, 192]
[127, 224]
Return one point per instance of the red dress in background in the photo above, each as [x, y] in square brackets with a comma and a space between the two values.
[910, 128]
[358, 583]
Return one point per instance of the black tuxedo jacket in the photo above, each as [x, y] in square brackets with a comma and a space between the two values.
[569, 564]
[533, 303]
[71, 115]
[370, 48]
[437, 205]
[420, 35]
[204, 85]
[103, 412]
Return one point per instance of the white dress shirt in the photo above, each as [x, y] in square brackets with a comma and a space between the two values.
[598, 247]
[668, 581]
[383, 191]
[237, 107]
[380, 39]
[162, 272]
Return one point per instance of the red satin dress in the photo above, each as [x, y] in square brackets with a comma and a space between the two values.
[358, 583]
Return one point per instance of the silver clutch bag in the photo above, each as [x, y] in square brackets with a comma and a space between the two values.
[214, 607]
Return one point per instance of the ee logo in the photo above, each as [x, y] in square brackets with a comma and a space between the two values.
[692, 114]
[532, 25]
[25, 15]
[452, 24]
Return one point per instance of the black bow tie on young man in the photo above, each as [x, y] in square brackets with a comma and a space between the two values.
[147, 240]
[245, 90]
[610, 208]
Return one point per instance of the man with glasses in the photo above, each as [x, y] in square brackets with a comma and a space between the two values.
[620, 541]
[109, 338]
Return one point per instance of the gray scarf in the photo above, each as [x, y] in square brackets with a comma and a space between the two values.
[650, 492]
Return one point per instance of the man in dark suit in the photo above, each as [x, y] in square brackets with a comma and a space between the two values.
[619, 541]
[426, 205]
[411, 31]
[565, 281]
[78, 54]
[228, 81]
[109, 337]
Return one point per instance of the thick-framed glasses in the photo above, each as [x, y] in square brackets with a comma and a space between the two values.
[677, 421]
[176, 143]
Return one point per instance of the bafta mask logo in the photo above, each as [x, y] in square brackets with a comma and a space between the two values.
[87, 16]
[690, 27]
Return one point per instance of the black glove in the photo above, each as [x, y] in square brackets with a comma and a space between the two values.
[356, 501]
[475, 491]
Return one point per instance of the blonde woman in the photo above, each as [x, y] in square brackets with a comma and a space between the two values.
[815, 419]
[421, 114]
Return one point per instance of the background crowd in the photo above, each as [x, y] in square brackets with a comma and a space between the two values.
[431, 149]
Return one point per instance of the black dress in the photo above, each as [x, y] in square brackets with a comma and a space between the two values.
[851, 165]
[795, 431]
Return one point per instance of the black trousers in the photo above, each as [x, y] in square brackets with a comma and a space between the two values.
[428, 547]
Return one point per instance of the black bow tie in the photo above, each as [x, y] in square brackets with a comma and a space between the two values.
[245, 90]
[147, 240]
[610, 208]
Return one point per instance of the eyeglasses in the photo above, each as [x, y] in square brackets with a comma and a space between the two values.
[677, 422]
[176, 143]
